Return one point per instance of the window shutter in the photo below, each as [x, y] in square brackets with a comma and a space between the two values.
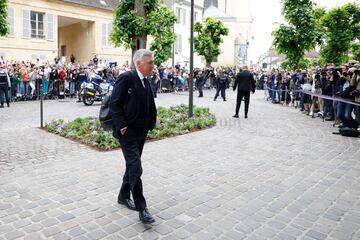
[50, 27]
[26, 23]
[108, 34]
[184, 16]
[104, 28]
[11, 20]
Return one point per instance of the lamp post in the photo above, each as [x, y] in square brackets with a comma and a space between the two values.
[191, 82]
[173, 46]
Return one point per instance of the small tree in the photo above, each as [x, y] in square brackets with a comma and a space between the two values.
[209, 38]
[355, 52]
[4, 26]
[136, 19]
[163, 35]
[299, 34]
[341, 27]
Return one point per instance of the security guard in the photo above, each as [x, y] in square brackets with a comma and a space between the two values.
[4, 85]
[221, 84]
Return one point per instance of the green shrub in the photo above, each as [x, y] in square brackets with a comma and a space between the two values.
[171, 122]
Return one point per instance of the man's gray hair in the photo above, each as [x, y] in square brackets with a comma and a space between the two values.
[140, 54]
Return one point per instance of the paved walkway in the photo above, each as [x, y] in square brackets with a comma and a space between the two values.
[276, 175]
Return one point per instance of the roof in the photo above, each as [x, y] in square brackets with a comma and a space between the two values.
[213, 11]
[104, 4]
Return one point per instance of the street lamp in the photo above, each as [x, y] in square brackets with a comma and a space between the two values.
[191, 83]
[173, 46]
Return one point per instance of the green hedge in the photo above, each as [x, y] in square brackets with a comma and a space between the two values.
[172, 121]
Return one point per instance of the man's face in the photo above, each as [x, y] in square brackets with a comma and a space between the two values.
[146, 65]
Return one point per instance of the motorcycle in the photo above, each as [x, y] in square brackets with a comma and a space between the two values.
[93, 92]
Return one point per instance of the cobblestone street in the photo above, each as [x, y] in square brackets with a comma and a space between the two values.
[277, 175]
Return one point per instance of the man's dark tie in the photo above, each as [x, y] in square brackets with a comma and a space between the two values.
[144, 82]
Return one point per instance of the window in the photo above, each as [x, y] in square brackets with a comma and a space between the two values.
[181, 15]
[63, 51]
[50, 27]
[184, 16]
[178, 44]
[11, 20]
[195, 16]
[26, 23]
[106, 30]
[37, 25]
[178, 13]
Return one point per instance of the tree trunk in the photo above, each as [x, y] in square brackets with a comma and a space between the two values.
[208, 64]
[140, 42]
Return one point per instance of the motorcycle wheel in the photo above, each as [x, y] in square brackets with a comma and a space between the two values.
[88, 100]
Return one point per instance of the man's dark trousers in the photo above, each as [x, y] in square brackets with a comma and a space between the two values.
[201, 93]
[132, 143]
[221, 89]
[240, 96]
[4, 91]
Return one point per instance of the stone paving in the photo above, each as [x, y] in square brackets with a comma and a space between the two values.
[276, 175]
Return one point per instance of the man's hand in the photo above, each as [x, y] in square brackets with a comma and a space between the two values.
[253, 92]
[123, 130]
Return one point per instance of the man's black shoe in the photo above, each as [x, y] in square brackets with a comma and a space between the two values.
[146, 217]
[235, 116]
[2, 106]
[246, 116]
[128, 203]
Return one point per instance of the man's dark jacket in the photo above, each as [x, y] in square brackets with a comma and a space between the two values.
[245, 82]
[132, 105]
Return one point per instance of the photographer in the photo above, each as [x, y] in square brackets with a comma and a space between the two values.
[317, 103]
[355, 94]
[327, 86]
[199, 83]
[343, 91]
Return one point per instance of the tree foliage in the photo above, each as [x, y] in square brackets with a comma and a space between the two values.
[299, 34]
[162, 32]
[341, 26]
[136, 19]
[4, 26]
[355, 52]
[209, 37]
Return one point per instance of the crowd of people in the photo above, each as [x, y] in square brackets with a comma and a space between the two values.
[332, 93]
[303, 89]
[24, 81]
[53, 79]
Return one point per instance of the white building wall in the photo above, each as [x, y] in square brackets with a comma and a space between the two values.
[182, 28]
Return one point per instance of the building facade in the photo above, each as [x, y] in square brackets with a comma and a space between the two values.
[181, 9]
[46, 29]
[236, 16]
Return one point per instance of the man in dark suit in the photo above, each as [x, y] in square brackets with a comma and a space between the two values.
[244, 83]
[133, 111]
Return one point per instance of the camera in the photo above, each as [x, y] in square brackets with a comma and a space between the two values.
[355, 93]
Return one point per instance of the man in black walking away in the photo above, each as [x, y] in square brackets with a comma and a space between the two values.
[4, 85]
[244, 83]
[133, 111]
